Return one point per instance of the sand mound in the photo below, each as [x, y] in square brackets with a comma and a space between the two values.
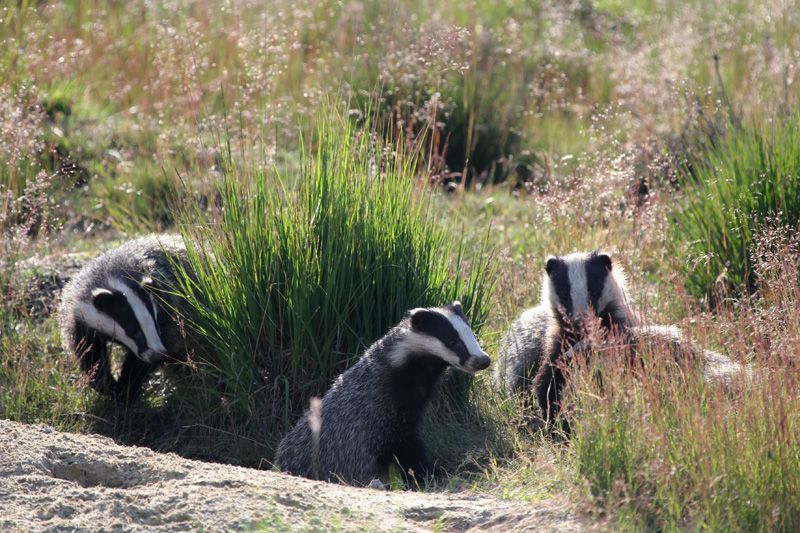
[63, 481]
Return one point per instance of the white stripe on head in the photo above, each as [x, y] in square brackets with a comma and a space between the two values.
[414, 342]
[615, 291]
[103, 323]
[548, 291]
[465, 332]
[610, 294]
[579, 289]
[143, 316]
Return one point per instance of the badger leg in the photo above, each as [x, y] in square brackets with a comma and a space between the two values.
[129, 384]
[549, 381]
[413, 461]
[92, 351]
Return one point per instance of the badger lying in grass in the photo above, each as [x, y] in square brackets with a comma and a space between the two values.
[371, 415]
[124, 296]
[578, 289]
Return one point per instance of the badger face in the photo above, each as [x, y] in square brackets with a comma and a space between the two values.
[580, 286]
[127, 313]
[443, 332]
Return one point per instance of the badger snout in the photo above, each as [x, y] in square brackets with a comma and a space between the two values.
[154, 357]
[478, 362]
[582, 321]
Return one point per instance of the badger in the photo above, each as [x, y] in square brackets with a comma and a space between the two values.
[574, 288]
[577, 289]
[371, 415]
[125, 296]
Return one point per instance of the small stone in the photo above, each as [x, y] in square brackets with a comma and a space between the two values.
[377, 484]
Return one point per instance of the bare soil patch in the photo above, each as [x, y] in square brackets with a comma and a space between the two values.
[63, 481]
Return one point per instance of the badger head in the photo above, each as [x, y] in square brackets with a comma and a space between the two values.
[581, 286]
[125, 310]
[443, 332]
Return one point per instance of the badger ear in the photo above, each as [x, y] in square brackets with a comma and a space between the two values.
[551, 264]
[99, 292]
[604, 260]
[103, 298]
[456, 305]
[147, 282]
[419, 317]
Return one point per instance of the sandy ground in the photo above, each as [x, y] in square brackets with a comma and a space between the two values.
[51, 480]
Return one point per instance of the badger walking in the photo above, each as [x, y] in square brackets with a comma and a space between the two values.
[124, 296]
[371, 415]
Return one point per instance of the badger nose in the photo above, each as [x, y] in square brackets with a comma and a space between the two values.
[153, 357]
[480, 362]
[581, 321]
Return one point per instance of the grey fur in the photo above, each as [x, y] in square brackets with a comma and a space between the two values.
[717, 368]
[153, 256]
[370, 416]
[522, 348]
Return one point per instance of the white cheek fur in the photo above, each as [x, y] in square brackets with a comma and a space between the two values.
[102, 323]
[416, 342]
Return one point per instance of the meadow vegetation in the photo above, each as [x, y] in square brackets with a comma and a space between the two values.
[338, 163]
[289, 284]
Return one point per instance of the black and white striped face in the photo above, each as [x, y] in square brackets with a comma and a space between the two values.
[581, 285]
[127, 313]
[444, 333]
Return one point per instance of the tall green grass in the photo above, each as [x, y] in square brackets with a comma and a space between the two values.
[293, 281]
[36, 382]
[750, 176]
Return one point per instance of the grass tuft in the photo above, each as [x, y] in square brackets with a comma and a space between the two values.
[751, 176]
[291, 284]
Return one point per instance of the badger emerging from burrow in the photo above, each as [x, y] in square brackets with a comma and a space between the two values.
[125, 296]
[371, 415]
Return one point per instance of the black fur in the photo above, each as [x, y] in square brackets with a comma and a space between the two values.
[549, 383]
[412, 386]
[92, 351]
[116, 306]
[598, 269]
[559, 275]
[129, 384]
